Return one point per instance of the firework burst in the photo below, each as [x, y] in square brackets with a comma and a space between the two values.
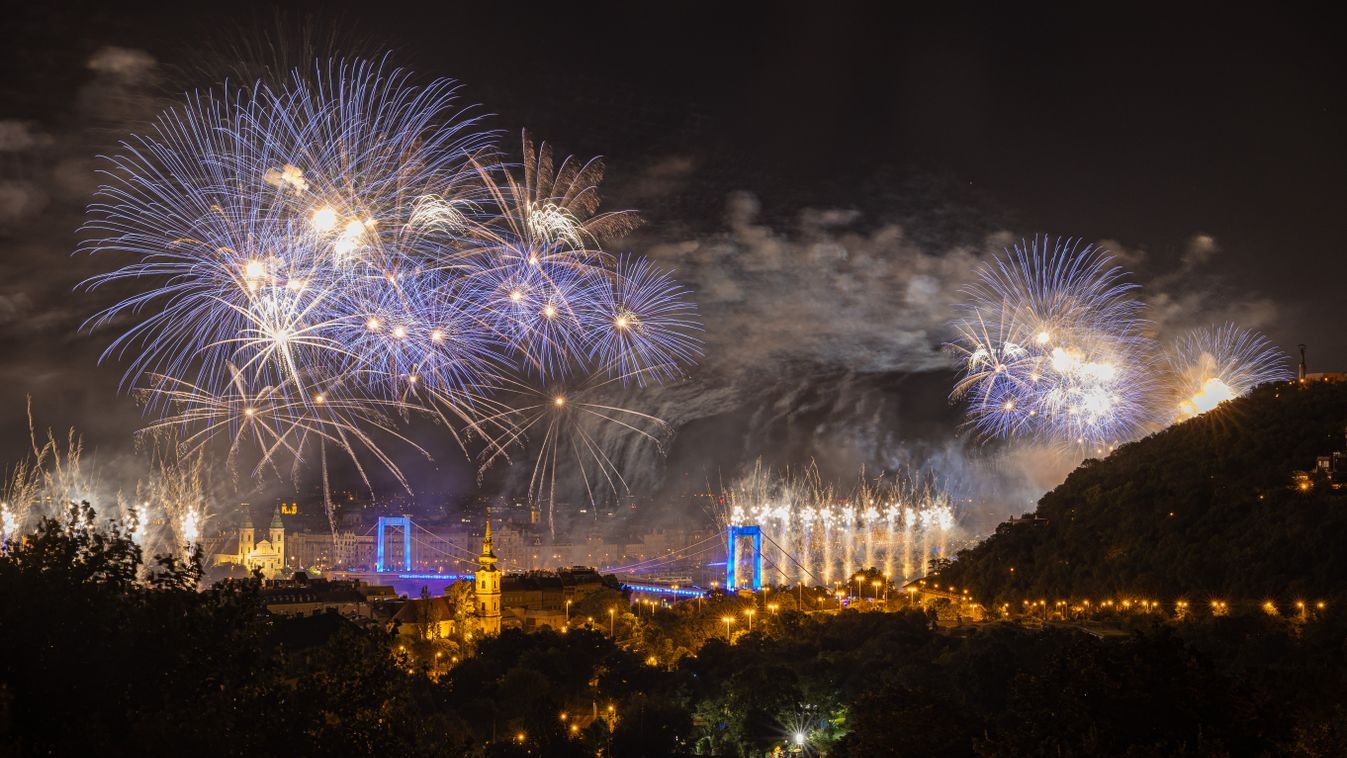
[317, 260]
[1209, 366]
[1052, 344]
[568, 421]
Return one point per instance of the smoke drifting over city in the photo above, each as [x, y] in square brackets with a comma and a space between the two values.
[825, 324]
[826, 344]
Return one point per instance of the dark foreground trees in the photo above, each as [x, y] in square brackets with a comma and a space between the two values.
[101, 657]
[104, 656]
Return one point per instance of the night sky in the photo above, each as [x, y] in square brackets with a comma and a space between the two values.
[1205, 147]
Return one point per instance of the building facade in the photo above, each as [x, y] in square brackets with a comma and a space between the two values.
[266, 556]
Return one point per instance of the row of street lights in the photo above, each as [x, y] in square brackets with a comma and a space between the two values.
[772, 608]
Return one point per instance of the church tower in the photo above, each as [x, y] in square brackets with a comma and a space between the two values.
[276, 533]
[247, 539]
[488, 585]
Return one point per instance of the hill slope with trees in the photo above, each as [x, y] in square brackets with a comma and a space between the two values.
[1208, 508]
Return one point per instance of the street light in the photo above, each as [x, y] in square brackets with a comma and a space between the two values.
[749, 613]
[875, 585]
[568, 612]
[728, 620]
[612, 622]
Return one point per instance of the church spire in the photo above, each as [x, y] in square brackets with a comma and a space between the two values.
[487, 558]
[487, 584]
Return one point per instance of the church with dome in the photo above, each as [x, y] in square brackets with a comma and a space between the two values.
[266, 555]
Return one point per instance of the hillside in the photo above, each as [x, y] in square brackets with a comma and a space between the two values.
[1206, 508]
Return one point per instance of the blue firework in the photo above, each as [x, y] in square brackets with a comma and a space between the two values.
[643, 325]
[1052, 344]
[313, 259]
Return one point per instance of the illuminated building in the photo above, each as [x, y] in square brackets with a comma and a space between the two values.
[266, 556]
[487, 585]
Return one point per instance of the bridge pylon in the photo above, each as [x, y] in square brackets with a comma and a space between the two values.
[736, 534]
[397, 522]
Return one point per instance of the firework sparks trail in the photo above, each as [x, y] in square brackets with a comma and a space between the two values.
[1209, 366]
[570, 419]
[1052, 344]
[316, 260]
[821, 536]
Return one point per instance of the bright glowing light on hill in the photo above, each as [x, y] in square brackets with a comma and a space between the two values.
[1213, 393]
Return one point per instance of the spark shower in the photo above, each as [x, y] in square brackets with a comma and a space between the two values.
[314, 261]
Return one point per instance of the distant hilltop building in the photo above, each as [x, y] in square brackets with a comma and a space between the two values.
[1304, 374]
[266, 556]
[1329, 469]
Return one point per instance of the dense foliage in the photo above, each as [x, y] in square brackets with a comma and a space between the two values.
[1206, 508]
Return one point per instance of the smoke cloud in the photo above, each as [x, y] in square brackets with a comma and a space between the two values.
[824, 345]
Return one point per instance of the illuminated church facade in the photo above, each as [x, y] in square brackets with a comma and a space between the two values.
[266, 556]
